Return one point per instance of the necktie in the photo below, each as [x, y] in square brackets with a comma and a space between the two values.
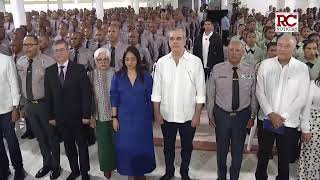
[235, 89]
[15, 59]
[55, 25]
[112, 63]
[29, 81]
[75, 59]
[310, 65]
[87, 44]
[297, 46]
[250, 51]
[9, 26]
[61, 75]
[99, 45]
[163, 32]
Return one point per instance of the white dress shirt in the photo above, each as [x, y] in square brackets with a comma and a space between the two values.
[283, 90]
[64, 68]
[313, 102]
[205, 47]
[9, 89]
[225, 24]
[179, 87]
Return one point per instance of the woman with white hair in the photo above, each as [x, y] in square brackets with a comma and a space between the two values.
[101, 81]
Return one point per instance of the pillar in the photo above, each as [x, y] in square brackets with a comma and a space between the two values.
[18, 12]
[99, 9]
[136, 6]
[60, 4]
[2, 6]
[192, 4]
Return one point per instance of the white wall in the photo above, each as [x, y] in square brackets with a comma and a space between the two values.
[259, 5]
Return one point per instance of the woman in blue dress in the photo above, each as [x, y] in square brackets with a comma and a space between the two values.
[132, 117]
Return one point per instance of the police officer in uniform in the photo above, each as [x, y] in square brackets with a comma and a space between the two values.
[31, 69]
[231, 106]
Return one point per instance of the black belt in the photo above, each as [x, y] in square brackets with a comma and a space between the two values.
[233, 113]
[36, 101]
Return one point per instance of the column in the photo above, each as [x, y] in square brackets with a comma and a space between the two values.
[136, 6]
[129, 2]
[18, 12]
[99, 9]
[192, 4]
[175, 4]
[2, 6]
[60, 4]
[281, 4]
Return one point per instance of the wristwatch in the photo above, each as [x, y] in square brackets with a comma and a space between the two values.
[114, 117]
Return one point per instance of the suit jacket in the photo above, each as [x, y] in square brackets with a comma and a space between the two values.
[69, 103]
[215, 53]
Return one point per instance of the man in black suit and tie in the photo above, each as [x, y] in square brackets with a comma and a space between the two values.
[68, 93]
[208, 47]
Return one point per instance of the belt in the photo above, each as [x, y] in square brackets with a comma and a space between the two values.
[36, 101]
[233, 113]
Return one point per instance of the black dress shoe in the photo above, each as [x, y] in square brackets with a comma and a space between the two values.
[31, 136]
[73, 176]
[25, 135]
[167, 177]
[185, 177]
[6, 176]
[85, 176]
[55, 173]
[43, 171]
[19, 174]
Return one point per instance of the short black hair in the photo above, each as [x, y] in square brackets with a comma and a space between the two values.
[35, 38]
[269, 45]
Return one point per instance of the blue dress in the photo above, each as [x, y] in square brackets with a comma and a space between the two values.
[134, 140]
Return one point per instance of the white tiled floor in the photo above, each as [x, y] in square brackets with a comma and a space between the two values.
[203, 163]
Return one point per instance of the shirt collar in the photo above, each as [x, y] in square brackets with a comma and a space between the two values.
[231, 65]
[184, 56]
[248, 48]
[65, 64]
[209, 35]
[289, 64]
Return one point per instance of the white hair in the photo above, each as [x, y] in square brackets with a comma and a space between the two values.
[101, 50]
[290, 37]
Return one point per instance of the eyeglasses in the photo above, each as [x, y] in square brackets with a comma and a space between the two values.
[59, 50]
[29, 45]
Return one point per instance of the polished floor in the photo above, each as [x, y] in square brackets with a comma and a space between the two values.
[203, 163]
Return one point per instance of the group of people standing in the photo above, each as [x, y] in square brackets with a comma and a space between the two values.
[67, 93]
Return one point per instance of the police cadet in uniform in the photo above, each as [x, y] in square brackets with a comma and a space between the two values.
[79, 54]
[31, 69]
[231, 106]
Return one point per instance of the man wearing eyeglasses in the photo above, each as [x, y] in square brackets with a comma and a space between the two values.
[31, 70]
[178, 95]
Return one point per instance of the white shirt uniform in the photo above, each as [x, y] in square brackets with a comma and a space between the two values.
[283, 90]
[9, 88]
[178, 87]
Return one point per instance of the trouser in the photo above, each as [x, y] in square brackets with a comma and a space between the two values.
[45, 133]
[230, 130]
[75, 137]
[169, 131]
[7, 131]
[284, 142]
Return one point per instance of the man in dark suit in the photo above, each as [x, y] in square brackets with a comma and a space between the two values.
[208, 47]
[68, 93]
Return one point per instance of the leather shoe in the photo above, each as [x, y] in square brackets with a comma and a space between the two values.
[19, 175]
[107, 174]
[73, 176]
[43, 171]
[25, 135]
[185, 177]
[85, 176]
[6, 176]
[55, 173]
[167, 177]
